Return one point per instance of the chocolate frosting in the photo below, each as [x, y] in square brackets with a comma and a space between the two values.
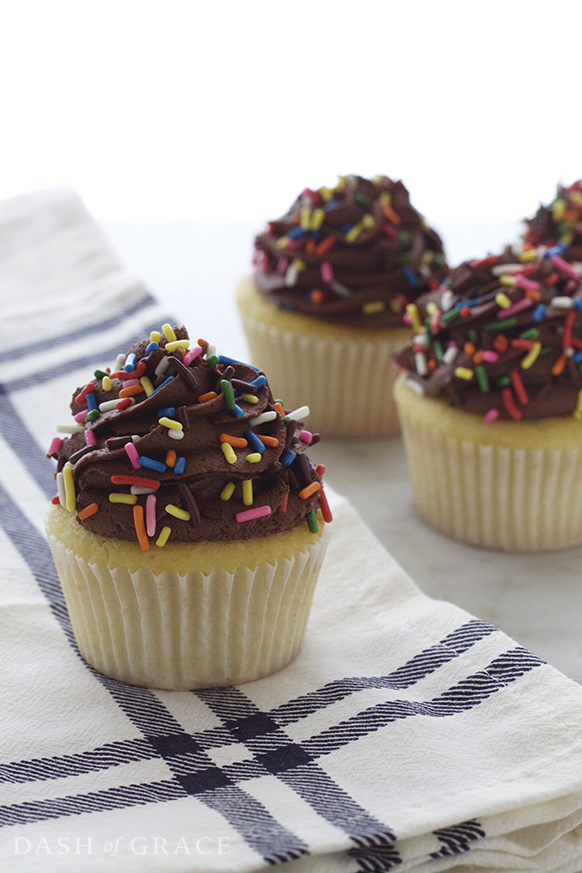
[194, 475]
[505, 340]
[355, 254]
[558, 226]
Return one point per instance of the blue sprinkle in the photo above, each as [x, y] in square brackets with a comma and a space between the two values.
[287, 458]
[130, 363]
[295, 233]
[169, 379]
[92, 401]
[331, 205]
[316, 235]
[539, 313]
[152, 347]
[255, 442]
[411, 277]
[557, 249]
[151, 464]
[237, 411]
[168, 412]
[224, 360]
[180, 466]
[347, 227]
[259, 381]
[577, 303]
[577, 357]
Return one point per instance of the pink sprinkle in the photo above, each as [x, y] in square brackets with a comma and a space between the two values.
[526, 284]
[282, 265]
[306, 436]
[291, 244]
[151, 515]
[81, 416]
[570, 286]
[435, 321]
[133, 455]
[255, 512]
[564, 266]
[54, 446]
[406, 318]
[90, 438]
[189, 357]
[129, 382]
[491, 415]
[517, 307]
[490, 357]
[326, 272]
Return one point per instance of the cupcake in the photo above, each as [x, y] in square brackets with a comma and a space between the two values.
[490, 401]
[188, 530]
[332, 282]
[559, 225]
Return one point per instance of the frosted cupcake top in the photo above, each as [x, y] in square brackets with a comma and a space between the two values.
[181, 444]
[355, 254]
[505, 339]
[559, 225]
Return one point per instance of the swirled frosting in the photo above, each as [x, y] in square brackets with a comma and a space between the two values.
[558, 226]
[180, 444]
[356, 254]
[505, 340]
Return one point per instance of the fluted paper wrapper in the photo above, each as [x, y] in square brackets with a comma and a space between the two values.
[346, 383]
[516, 500]
[193, 631]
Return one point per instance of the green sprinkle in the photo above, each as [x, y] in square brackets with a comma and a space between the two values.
[362, 200]
[93, 415]
[474, 336]
[531, 334]
[226, 389]
[100, 374]
[438, 350]
[482, 378]
[312, 522]
[451, 315]
[213, 360]
[403, 237]
[504, 381]
[545, 351]
[439, 259]
[499, 325]
[404, 258]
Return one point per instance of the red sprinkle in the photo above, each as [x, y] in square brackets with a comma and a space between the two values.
[123, 404]
[567, 335]
[283, 507]
[55, 501]
[135, 480]
[82, 395]
[324, 505]
[522, 344]
[518, 387]
[485, 262]
[509, 404]
[465, 311]
[325, 245]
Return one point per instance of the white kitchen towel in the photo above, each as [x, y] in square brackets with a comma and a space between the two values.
[408, 735]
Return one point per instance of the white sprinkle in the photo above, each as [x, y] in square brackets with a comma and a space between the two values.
[447, 300]
[119, 363]
[577, 266]
[517, 247]
[61, 489]
[562, 302]
[107, 405]
[175, 434]
[420, 359]
[211, 350]
[450, 354]
[414, 385]
[264, 416]
[135, 438]
[501, 269]
[162, 366]
[70, 428]
[291, 276]
[569, 352]
[298, 414]
[139, 489]
[340, 289]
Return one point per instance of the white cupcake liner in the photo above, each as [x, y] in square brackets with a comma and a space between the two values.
[516, 500]
[346, 383]
[194, 631]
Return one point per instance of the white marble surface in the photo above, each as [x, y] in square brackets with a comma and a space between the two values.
[536, 599]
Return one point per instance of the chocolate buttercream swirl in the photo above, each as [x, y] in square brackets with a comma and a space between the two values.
[558, 226]
[354, 254]
[505, 340]
[179, 444]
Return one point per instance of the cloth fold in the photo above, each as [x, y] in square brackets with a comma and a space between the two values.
[407, 735]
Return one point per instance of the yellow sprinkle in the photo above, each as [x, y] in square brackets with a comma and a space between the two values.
[298, 264]
[395, 305]
[341, 182]
[106, 382]
[247, 490]
[385, 199]
[282, 242]
[146, 385]
[164, 534]
[558, 209]
[178, 513]
[373, 306]
[427, 257]
[376, 178]
[578, 411]
[531, 356]
[463, 373]
[412, 310]
[155, 336]
[317, 218]
[502, 300]
[253, 458]
[576, 196]
[117, 497]
[250, 398]
[228, 452]
[326, 194]
[527, 256]
[507, 280]
[432, 308]
[69, 483]
[353, 234]
[305, 219]
[368, 220]
[567, 238]
[227, 491]
[168, 332]
[169, 422]
[177, 344]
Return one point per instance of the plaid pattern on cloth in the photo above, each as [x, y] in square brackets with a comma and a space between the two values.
[407, 735]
